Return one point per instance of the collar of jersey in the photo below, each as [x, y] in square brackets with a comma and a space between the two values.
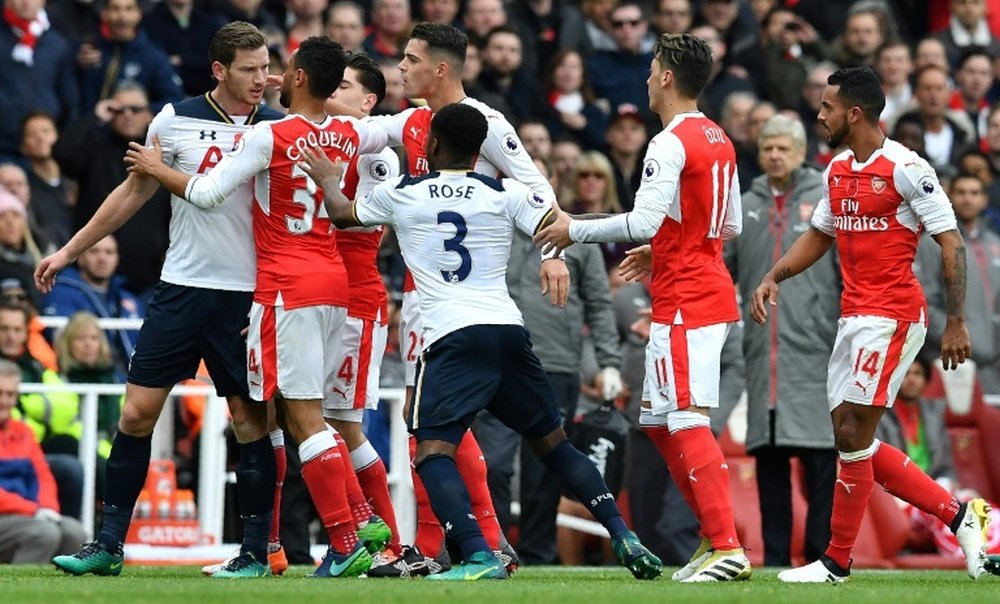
[225, 116]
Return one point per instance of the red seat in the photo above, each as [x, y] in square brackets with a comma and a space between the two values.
[967, 449]
[746, 506]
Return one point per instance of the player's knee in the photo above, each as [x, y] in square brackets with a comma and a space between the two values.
[433, 448]
[350, 431]
[137, 419]
[249, 420]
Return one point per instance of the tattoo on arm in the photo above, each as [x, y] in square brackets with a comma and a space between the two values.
[783, 274]
[954, 282]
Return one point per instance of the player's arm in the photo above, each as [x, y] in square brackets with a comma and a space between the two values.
[328, 175]
[918, 184]
[147, 162]
[120, 205]
[392, 125]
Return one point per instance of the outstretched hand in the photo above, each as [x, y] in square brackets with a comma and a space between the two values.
[319, 167]
[555, 237]
[765, 295]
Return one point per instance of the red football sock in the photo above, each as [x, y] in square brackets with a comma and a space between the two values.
[850, 498]
[472, 467]
[375, 483]
[360, 509]
[324, 476]
[281, 466]
[708, 477]
[671, 454]
[904, 479]
[430, 536]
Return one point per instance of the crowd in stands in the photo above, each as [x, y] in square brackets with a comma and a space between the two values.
[79, 80]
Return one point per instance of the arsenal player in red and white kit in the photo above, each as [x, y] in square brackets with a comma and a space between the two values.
[878, 197]
[301, 297]
[687, 205]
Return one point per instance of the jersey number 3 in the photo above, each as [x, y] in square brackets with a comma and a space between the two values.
[455, 245]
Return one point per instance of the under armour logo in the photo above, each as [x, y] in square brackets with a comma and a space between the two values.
[847, 487]
[207, 134]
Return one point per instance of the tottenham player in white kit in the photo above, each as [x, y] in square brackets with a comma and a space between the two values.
[455, 229]
[878, 197]
[197, 310]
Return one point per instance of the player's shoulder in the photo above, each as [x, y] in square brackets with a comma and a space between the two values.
[201, 107]
[263, 113]
[840, 161]
[406, 180]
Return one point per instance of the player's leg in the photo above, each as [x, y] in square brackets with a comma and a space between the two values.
[275, 553]
[527, 403]
[774, 491]
[166, 353]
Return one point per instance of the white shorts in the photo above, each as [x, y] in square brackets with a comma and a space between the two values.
[411, 335]
[292, 351]
[869, 359]
[354, 383]
[682, 369]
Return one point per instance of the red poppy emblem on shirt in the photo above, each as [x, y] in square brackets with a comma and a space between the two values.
[852, 187]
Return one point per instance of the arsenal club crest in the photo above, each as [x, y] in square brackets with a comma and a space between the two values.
[878, 184]
[806, 211]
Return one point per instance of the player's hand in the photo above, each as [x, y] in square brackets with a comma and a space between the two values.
[47, 515]
[274, 81]
[765, 294]
[555, 237]
[638, 263]
[955, 343]
[142, 159]
[320, 169]
[48, 269]
[555, 281]
[611, 383]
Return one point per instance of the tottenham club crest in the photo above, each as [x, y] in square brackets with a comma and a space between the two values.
[878, 184]
[510, 144]
[650, 170]
[379, 170]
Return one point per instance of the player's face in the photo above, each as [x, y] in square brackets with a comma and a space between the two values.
[968, 198]
[833, 117]
[246, 77]
[286, 83]
[653, 84]
[417, 68]
[352, 93]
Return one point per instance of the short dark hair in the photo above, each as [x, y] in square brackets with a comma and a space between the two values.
[461, 128]
[238, 35]
[443, 40]
[924, 360]
[690, 59]
[15, 307]
[911, 119]
[972, 52]
[890, 45]
[965, 176]
[919, 74]
[35, 115]
[860, 87]
[500, 30]
[369, 74]
[324, 61]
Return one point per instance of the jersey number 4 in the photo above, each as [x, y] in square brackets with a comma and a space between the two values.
[721, 187]
[455, 245]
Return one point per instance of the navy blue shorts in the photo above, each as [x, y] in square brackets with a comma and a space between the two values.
[482, 367]
[186, 324]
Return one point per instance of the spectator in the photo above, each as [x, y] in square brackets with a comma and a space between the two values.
[440, 11]
[626, 139]
[85, 358]
[76, 21]
[565, 155]
[49, 192]
[184, 32]
[749, 168]
[94, 287]
[672, 17]
[91, 152]
[504, 75]
[594, 193]
[791, 48]
[471, 70]
[124, 53]
[786, 361]
[547, 28]
[395, 100]
[36, 72]
[345, 23]
[947, 132]
[982, 255]
[482, 17]
[967, 27]
[931, 51]
[818, 151]
[15, 179]
[390, 27]
[736, 29]
[597, 26]
[31, 528]
[572, 109]
[54, 417]
[894, 64]
[620, 75]
[17, 256]
[723, 83]
[973, 78]
[864, 33]
[536, 139]
[735, 120]
[251, 11]
[909, 132]
[307, 20]
[993, 156]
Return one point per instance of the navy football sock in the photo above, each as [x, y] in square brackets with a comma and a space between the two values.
[451, 504]
[581, 477]
[127, 466]
[255, 477]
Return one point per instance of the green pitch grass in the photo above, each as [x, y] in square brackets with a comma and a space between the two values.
[185, 585]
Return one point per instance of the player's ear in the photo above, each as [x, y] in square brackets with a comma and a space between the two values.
[218, 71]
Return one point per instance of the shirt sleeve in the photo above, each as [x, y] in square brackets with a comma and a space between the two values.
[525, 207]
[504, 149]
[732, 224]
[251, 156]
[392, 125]
[376, 207]
[162, 127]
[661, 173]
[375, 169]
[822, 218]
[371, 139]
[917, 183]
